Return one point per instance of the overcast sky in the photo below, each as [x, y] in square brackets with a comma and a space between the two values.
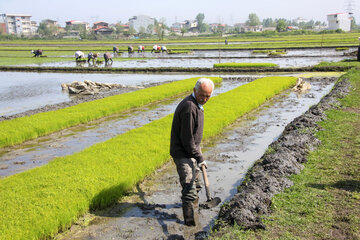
[222, 11]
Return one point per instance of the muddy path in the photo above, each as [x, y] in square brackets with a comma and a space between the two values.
[153, 209]
[270, 175]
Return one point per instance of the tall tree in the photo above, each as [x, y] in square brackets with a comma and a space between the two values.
[253, 20]
[200, 21]
[47, 31]
[281, 25]
[268, 22]
[353, 24]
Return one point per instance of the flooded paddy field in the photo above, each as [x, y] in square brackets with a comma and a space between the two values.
[41, 150]
[207, 58]
[153, 209]
[282, 61]
[23, 91]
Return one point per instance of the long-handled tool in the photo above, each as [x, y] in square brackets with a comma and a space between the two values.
[211, 202]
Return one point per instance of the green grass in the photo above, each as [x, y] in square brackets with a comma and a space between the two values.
[25, 128]
[245, 65]
[324, 202]
[37, 203]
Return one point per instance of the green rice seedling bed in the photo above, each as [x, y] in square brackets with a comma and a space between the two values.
[180, 52]
[25, 128]
[255, 37]
[261, 51]
[36, 204]
[245, 65]
[276, 53]
[341, 49]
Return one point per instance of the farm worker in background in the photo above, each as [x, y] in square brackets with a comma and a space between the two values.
[37, 53]
[226, 42]
[107, 58]
[186, 135]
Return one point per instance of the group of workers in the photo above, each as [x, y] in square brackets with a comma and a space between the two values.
[93, 57]
[141, 49]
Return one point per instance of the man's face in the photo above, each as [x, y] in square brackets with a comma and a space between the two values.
[203, 94]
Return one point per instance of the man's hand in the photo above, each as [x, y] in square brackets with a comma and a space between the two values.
[202, 163]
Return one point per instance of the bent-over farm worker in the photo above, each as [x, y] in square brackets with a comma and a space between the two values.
[186, 135]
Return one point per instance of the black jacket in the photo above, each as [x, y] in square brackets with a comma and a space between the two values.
[187, 130]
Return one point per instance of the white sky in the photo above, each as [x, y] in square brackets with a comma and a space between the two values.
[223, 11]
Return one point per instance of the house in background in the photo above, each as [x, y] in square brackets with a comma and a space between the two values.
[77, 25]
[50, 22]
[339, 21]
[102, 28]
[137, 22]
[243, 28]
[17, 24]
[176, 27]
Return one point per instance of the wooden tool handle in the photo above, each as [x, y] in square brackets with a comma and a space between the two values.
[208, 195]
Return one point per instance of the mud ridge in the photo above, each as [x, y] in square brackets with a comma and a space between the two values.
[284, 157]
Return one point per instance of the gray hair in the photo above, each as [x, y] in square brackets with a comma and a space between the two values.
[203, 80]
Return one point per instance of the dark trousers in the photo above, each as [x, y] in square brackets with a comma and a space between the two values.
[189, 175]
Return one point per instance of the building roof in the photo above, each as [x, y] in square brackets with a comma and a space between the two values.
[101, 27]
[17, 15]
[336, 14]
[76, 22]
[100, 22]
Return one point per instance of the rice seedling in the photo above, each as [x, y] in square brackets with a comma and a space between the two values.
[36, 204]
[25, 128]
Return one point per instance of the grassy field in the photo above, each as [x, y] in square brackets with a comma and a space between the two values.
[29, 127]
[37, 203]
[324, 202]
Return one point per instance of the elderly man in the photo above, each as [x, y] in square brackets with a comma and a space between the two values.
[186, 135]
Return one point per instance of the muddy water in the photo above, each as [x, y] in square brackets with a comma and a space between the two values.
[320, 52]
[22, 91]
[153, 210]
[282, 61]
[293, 58]
[40, 151]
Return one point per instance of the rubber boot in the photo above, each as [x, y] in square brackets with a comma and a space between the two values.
[190, 215]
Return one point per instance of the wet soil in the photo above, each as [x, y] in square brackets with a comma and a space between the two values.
[286, 157]
[153, 209]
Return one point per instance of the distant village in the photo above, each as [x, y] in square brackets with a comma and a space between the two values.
[143, 26]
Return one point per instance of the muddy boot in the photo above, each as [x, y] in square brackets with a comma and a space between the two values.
[190, 215]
